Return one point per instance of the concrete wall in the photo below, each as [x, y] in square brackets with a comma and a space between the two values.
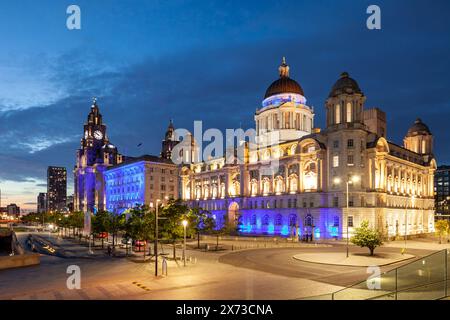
[19, 261]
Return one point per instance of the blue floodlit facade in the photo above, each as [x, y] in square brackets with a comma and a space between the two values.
[140, 181]
[125, 187]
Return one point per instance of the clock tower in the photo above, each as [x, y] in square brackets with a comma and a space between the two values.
[95, 154]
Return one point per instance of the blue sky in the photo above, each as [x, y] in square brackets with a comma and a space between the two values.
[150, 61]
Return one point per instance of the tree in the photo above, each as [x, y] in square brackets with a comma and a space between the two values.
[201, 221]
[140, 224]
[367, 237]
[228, 228]
[170, 227]
[76, 221]
[442, 228]
[100, 222]
[116, 223]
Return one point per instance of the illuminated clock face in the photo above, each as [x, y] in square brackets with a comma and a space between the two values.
[98, 135]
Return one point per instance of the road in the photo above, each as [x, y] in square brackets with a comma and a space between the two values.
[248, 274]
[280, 262]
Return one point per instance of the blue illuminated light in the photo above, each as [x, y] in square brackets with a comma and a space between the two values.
[125, 186]
[317, 233]
[285, 230]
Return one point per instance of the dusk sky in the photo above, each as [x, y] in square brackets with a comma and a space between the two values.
[151, 61]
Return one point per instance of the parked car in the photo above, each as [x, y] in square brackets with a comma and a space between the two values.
[124, 243]
[139, 244]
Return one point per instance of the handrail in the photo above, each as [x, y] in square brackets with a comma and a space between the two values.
[396, 276]
[408, 289]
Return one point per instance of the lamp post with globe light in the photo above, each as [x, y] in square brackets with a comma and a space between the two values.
[353, 179]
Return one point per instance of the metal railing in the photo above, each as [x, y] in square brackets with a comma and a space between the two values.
[426, 278]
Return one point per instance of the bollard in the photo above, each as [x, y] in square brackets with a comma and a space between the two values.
[164, 267]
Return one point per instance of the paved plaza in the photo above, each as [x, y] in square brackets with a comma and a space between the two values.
[254, 273]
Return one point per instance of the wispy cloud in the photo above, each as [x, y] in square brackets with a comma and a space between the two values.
[41, 143]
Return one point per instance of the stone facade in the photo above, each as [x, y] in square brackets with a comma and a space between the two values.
[140, 181]
[389, 185]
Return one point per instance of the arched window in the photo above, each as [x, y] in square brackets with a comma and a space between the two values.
[309, 221]
[349, 112]
[265, 220]
[337, 114]
[254, 187]
[310, 177]
[293, 184]
[279, 185]
[266, 186]
[253, 221]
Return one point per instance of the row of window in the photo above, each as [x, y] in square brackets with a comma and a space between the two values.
[350, 161]
[277, 203]
[163, 171]
[350, 144]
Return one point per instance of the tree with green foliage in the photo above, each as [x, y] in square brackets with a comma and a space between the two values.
[116, 223]
[170, 227]
[366, 237]
[228, 228]
[201, 222]
[99, 224]
[140, 224]
[442, 227]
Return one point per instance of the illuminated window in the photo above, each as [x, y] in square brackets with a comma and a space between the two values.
[335, 161]
[337, 114]
[349, 112]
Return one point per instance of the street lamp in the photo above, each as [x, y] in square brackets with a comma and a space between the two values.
[156, 235]
[184, 245]
[351, 180]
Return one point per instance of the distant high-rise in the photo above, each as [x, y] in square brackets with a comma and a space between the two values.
[56, 188]
[42, 202]
[13, 210]
[442, 191]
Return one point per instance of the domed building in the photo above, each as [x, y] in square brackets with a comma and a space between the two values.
[284, 114]
[296, 180]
